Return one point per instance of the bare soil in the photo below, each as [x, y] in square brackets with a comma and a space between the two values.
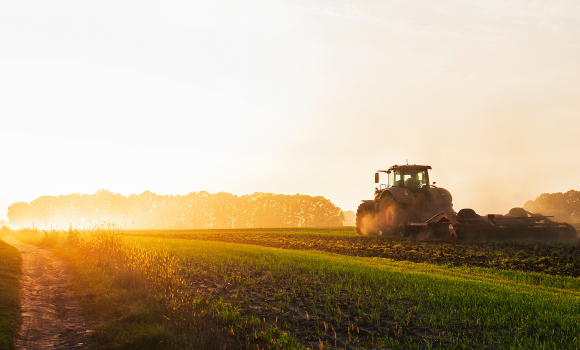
[50, 315]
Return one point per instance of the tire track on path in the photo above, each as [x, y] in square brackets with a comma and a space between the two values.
[50, 316]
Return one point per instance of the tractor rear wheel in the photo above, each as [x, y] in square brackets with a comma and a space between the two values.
[391, 216]
[366, 221]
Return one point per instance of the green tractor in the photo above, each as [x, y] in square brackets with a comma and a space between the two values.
[406, 197]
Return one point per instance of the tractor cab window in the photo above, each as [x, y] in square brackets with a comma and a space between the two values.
[415, 178]
[395, 178]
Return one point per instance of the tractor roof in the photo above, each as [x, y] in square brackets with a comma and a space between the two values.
[414, 166]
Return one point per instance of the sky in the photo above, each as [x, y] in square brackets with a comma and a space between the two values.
[289, 97]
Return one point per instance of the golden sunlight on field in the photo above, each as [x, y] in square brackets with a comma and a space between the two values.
[199, 174]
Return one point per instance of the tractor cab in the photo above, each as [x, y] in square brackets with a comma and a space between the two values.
[413, 177]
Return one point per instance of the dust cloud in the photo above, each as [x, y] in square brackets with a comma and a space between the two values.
[369, 225]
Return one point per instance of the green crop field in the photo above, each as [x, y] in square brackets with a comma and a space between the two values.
[331, 289]
[556, 259]
[345, 301]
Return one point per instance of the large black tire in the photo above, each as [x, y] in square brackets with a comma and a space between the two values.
[391, 215]
[471, 233]
[468, 214]
[366, 222]
[519, 212]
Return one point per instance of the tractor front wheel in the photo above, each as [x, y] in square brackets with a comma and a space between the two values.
[366, 220]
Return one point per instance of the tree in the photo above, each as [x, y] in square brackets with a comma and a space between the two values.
[148, 210]
[563, 206]
[20, 213]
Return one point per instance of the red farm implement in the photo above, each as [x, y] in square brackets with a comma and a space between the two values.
[518, 225]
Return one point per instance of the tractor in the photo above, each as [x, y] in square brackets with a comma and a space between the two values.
[408, 204]
[406, 197]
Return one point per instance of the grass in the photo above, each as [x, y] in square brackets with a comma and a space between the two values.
[560, 259]
[131, 316]
[323, 298]
[135, 294]
[151, 290]
[10, 269]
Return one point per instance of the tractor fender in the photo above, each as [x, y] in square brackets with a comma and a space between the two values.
[440, 195]
[401, 195]
[369, 204]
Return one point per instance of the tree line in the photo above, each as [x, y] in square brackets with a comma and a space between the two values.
[196, 210]
[563, 206]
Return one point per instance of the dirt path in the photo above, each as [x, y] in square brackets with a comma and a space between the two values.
[50, 317]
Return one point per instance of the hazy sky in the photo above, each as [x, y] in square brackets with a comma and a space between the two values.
[289, 97]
